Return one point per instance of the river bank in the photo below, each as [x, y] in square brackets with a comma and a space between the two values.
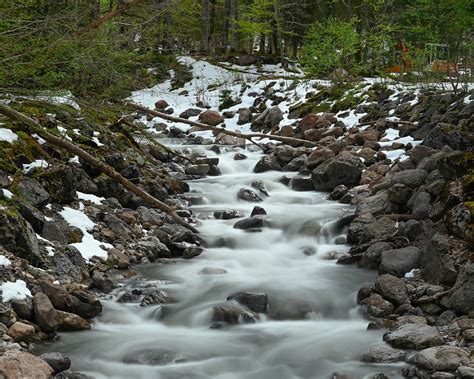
[399, 157]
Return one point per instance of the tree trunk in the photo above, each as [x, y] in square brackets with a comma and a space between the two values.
[226, 25]
[205, 25]
[106, 169]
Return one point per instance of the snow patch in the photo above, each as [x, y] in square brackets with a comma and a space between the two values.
[4, 261]
[89, 197]
[7, 135]
[6, 193]
[89, 245]
[39, 163]
[14, 291]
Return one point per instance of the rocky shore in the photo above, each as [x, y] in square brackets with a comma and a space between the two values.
[68, 233]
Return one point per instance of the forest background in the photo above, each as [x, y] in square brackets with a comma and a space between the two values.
[107, 48]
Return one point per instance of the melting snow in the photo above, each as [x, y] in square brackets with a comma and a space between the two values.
[50, 250]
[7, 194]
[4, 261]
[89, 197]
[40, 163]
[89, 245]
[7, 135]
[14, 291]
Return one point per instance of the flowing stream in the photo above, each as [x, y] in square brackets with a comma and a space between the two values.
[175, 340]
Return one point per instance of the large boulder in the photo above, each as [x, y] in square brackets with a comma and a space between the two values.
[383, 354]
[268, 120]
[33, 192]
[343, 169]
[248, 195]
[45, 313]
[20, 331]
[60, 184]
[232, 314]
[255, 301]
[57, 361]
[72, 322]
[462, 295]
[441, 358]
[414, 336]
[318, 156]
[245, 116]
[392, 288]
[437, 266]
[21, 365]
[212, 118]
[18, 236]
[400, 261]
[267, 163]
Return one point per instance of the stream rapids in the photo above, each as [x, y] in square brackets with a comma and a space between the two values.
[175, 341]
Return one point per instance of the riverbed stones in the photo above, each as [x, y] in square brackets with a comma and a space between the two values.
[45, 313]
[71, 322]
[441, 358]
[400, 261]
[152, 357]
[376, 306]
[210, 117]
[20, 331]
[254, 222]
[414, 336]
[255, 301]
[462, 295]
[248, 195]
[18, 364]
[383, 354]
[231, 314]
[57, 361]
[392, 288]
[342, 169]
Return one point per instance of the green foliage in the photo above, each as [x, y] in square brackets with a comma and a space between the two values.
[328, 45]
[225, 99]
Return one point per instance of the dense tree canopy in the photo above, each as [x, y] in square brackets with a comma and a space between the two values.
[106, 46]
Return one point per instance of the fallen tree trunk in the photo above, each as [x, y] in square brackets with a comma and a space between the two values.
[219, 130]
[106, 169]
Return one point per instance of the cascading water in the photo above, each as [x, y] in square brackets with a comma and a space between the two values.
[312, 328]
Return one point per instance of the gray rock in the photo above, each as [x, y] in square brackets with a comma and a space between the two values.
[57, 361]
[102, 282]
[371, 257]
[227, 214]
[210, 117]
[250, 223]
[299, 183]
[156, 297]
[267, 163]
[245, 116]
[366, 228]
[392, 288]
[462, 297]
[60, 184]
[70, 265]
[466, 372]
[23, 308]
[45, 313]
[441, 358]
[192, 251]
[68, 374]
[231, 314]
[383, 354]
[191, 112]
[399, 261]
[414, 336]
[32, 215]
[437, 265]
[18, 364]
[256, 302]
[376, 306]
[269, 119]
[411, 178]
[198, 169]
[248, 195]
[343, 169]
[33, 192]
[258, 211]
[421, 206]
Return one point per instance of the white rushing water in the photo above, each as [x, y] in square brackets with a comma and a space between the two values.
[330, 339]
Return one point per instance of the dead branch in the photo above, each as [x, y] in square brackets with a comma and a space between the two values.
[114, 13]
[430, 299]
[393, 122]
[106, 169]
[219, 130]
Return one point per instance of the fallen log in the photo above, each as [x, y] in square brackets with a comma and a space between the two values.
[219, 130]
[104, 168]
